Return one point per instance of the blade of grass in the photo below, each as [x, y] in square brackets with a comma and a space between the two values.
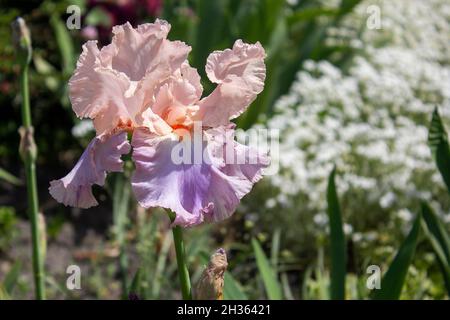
[120, 212]
[3, 294]
[394, 278]
[322, 277]
[11, 277]
[212, 22]
[304, 289]
[311, 13]
[347, 6]
[337, 242]
[161, 265]
[232, 289]
[135, 283]
[438, 143]
[286, 287]
[8, 177]
[439, 239]
[271, 284]
[65, 44]
[146, 248]
[275, 249]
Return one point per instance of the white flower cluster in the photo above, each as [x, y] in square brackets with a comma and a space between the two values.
[369, 120]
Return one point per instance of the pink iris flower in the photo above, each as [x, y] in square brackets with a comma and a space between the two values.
[142, 84]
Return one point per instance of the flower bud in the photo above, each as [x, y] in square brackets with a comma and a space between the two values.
[210, 284]
[27, 147]
[21, 40]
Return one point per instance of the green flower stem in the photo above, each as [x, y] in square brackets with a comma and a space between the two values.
[183, 272]
[29, 158]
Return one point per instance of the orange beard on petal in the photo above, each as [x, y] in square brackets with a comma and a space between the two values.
[182, 130]
[125, 126]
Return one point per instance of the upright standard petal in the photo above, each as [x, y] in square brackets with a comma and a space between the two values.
[102, 155]
[196, 187]
[240, 73]
[176, 99]
[140, 51]
[98, 92]
[146, 56]
[115, 85]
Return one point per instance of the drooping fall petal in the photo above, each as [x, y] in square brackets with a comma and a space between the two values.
[196, 188]
[242, 161]
[159, 182]
[241, 166]
[101, 155]
[240, 73]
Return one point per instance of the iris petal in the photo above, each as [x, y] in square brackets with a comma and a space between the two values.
[115, 85]
[209, 189]
[240, 73]
[101, 155]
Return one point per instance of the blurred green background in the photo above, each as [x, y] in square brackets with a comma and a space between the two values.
[334, 86]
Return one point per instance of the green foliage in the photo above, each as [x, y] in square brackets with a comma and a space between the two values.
[121, 200]
[268, 275]
[161, 265]
[232, 289]
[440, 241]
[8, 223]
[8, 177]
[11, 277]
[134, 286]
[9, 282]
[64, 42]
[435, 229]
[438, 142]
[393, 281]
[338, 248]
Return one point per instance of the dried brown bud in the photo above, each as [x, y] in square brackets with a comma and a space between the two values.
[210, 284]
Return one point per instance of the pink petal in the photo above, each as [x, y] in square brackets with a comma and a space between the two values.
[176, 99]
[158, 182]
[183, 88]
[154, 123]
[101, 155]
[144, 54]
[240, 73]
[239, 160]
[241, 165]
[191, 75]
[97, 92]
[114, 85]
[136, 49]
[92, 87]
[196, 191]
